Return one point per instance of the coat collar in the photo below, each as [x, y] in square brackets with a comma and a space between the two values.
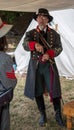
[46, 29]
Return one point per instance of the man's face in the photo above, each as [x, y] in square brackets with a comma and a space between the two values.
[42, 20]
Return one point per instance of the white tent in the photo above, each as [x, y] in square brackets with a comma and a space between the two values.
[65, 62]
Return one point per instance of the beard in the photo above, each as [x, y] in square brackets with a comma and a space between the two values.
[41, 27]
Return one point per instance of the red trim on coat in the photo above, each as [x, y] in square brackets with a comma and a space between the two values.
[51, 53]
[38, 30]
[11, 74]
[51, 82]
[49, 28]
[32, 45]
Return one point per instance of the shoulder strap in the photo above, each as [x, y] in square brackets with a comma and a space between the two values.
[45, 43]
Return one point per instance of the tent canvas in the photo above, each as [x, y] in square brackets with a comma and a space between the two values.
[33, 5]
[65, 62]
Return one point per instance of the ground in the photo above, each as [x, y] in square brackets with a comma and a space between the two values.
[24, 114]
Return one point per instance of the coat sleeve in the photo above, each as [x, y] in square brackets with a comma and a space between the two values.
[58, 45]
[29, 42]
[55, 44]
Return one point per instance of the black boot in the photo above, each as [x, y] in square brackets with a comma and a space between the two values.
[41, 107]
[57, 108]
[59, 119]
[43, 119]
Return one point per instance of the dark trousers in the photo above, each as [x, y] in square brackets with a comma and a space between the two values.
[4, 118]
[42, 79]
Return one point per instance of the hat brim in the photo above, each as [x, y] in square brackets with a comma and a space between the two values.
[5, 29]
[48, 16]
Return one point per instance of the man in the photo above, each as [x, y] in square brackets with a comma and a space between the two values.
[44, 44]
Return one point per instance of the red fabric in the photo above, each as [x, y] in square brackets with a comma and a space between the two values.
[32, 45]
[2, 24]
[51, 83]
[51, 53]
[11, 74]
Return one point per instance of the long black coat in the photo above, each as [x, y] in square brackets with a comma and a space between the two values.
[53, 40]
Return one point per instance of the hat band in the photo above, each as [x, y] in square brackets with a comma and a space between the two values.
[2, 24]
[45, 14]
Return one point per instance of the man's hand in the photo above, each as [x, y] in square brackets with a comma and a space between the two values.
[45, 57]
[39, 48]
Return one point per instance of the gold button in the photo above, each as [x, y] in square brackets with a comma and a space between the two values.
[51, 42]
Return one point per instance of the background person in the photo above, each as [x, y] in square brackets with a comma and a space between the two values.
[7, 78]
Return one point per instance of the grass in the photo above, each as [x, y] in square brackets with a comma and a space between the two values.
[24, 114]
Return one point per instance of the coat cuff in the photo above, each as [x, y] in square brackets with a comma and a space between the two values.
[51, 53]
[32, 45]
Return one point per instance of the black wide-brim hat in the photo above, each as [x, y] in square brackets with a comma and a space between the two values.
[43, 12]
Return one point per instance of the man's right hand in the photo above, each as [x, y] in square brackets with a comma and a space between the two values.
[39, 48]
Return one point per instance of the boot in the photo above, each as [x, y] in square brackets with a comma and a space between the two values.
[59, 119]
[43, 119]
[41, 107]
[57, 108]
